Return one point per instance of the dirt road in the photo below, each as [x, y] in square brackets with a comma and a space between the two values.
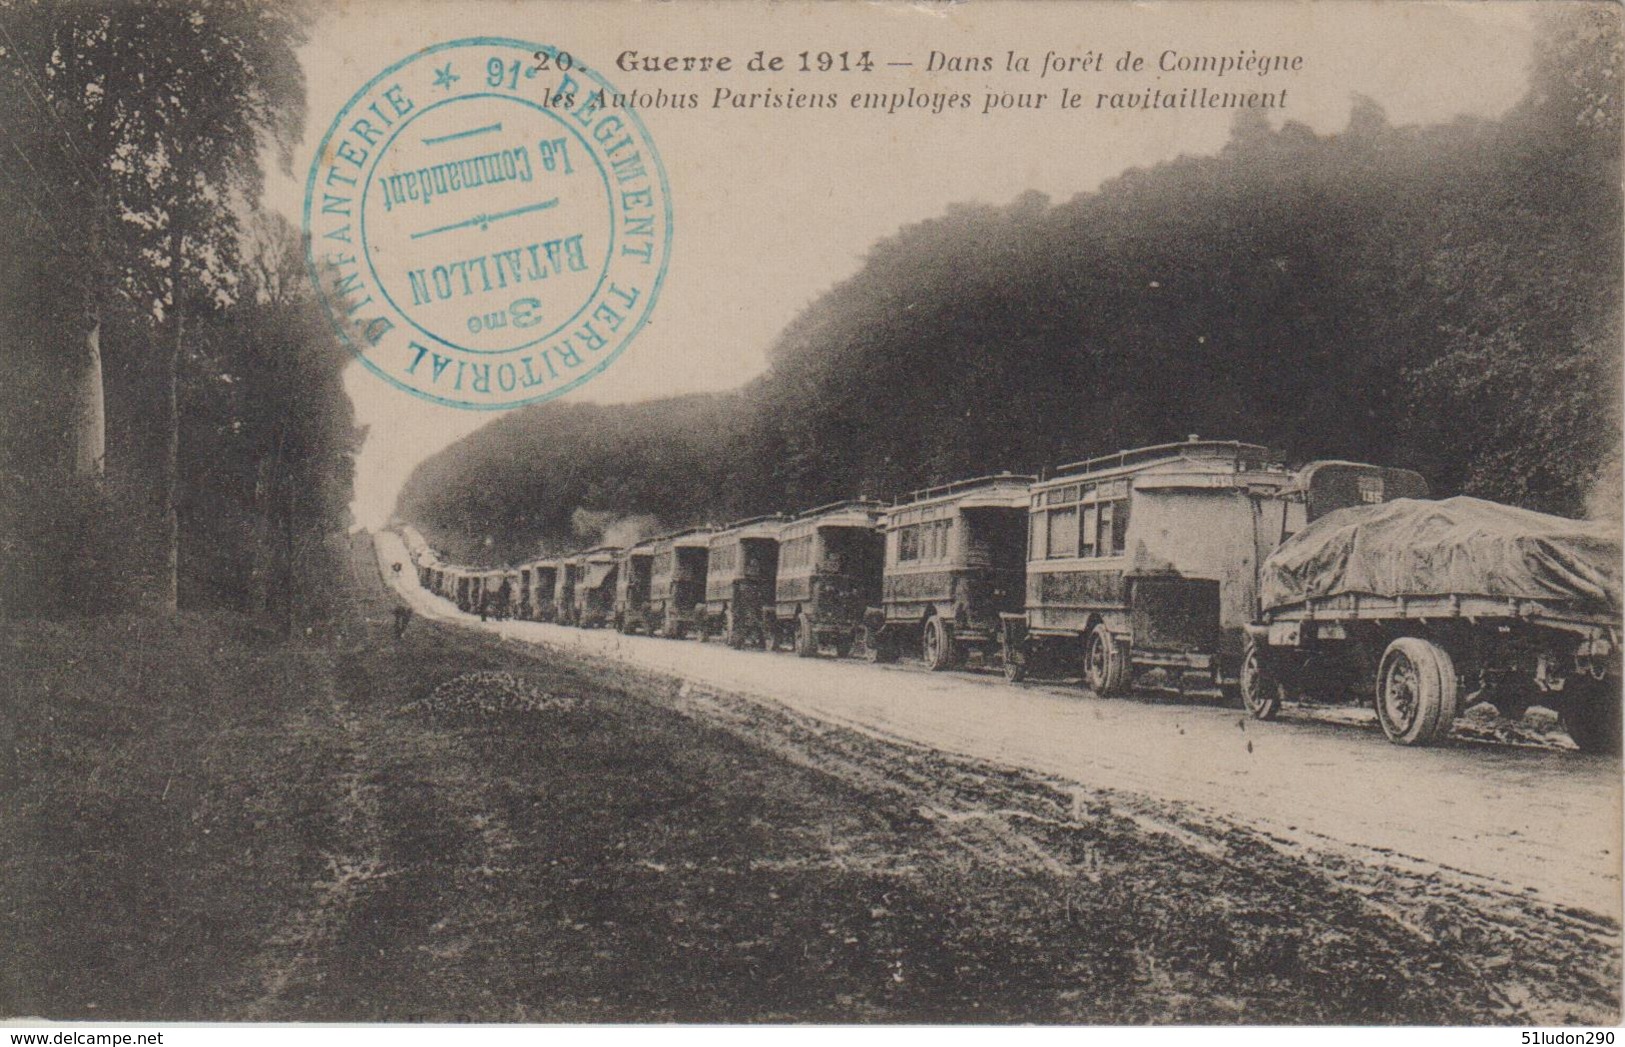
[210, 821]
[1540, 822]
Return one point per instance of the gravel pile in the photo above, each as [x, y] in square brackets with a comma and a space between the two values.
[489, 694]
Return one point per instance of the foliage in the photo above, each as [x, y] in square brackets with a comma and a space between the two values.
[1442, 297]
[265, 396]
[130, 195]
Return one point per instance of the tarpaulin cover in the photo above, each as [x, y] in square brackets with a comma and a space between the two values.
[1458, 546]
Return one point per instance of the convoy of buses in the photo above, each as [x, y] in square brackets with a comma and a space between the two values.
[1110, 568]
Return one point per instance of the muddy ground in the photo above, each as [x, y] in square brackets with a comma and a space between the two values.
[208, 824]
[1513, 812]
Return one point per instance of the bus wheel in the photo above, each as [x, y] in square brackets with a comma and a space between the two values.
[937, 645]
[1261, 692]
[1592, 715]
[843, 645]
[806, 639]
[1013, 657]
[1105, 669]
[730, 629]
[1417, 691]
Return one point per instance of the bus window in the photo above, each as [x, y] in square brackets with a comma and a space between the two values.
[908, 543]
[1120, 528]
[1063, 532]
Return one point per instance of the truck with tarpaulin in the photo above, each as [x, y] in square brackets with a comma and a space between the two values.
[1424, 607]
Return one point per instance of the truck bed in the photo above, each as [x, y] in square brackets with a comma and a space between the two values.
[1369, 607]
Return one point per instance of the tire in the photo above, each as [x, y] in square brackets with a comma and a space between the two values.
[1592, 716]
[1417, 691]
[1105, 669]
[730, 629]
[879, 646]
[1012, 658]
[843, 645]
[937, 647]
[806, 638]
[768, 632]
[625, 625]
[1261, 691]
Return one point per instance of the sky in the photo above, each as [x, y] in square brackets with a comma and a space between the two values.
[772, 207]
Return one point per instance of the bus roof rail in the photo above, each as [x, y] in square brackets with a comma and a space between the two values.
[942, 490]
[1234, 449]
[864, 504]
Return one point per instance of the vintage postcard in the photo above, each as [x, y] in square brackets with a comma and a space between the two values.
[1091, 513]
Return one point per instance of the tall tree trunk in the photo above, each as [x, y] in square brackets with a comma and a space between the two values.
[167, 590]
[290, 579]
[89, 414]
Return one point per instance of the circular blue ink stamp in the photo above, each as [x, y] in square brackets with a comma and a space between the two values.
[485, 228]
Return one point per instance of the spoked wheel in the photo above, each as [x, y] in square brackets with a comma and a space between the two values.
[1417, 691]
[1261, 692]
[1105, 671]
[937, 645]
[806, 638]
[1592, 715]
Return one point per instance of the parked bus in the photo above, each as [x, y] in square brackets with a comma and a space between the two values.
[540, 580]
[830, 560]
[1149, 558]
[677, 582]
[955, 557]
[633, 583]
[564, 588]
[741, 572]
[595, 587]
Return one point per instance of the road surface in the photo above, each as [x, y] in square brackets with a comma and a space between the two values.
[1542, 823]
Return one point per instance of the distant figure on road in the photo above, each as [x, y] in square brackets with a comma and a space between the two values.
[403, 618]
[396, 567]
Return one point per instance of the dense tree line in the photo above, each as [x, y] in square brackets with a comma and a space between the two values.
[173, 432]
[1442, 297]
